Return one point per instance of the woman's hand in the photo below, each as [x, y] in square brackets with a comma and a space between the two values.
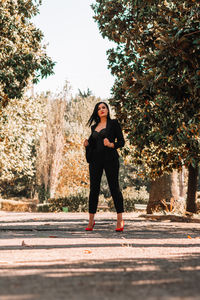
[107, 143]
[85, 143]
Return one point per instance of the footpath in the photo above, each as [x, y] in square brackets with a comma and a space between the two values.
[49, 256]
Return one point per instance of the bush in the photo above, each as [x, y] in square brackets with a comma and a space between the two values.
[128, 205]
[131, 197]
[74, 203]
[42, 207]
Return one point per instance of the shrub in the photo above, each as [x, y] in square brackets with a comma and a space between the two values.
[131, 197]
[128, 205]
[74, 203]
[43, 208]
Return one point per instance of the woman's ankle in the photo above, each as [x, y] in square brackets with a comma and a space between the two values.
[91, 218]
[119, 217]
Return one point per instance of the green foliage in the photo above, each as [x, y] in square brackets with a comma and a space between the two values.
[43, 208]
[22, 57]
[84, 94]
[18, 187]
[21, 124]
[128, 205]
[128, 178]
[43, 194]
[156, 64]
[74, 203]
[131, 196]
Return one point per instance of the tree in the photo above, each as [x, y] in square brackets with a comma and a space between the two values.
[21, 124]
[167, 192]
[156, 93]
[51, 147]
[84, 94]
[22, 56]
[74, 175]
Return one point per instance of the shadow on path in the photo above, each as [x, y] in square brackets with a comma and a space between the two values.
[176, 278]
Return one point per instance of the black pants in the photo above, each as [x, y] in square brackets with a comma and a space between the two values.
[111, 168]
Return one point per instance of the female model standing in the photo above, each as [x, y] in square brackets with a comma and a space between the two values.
[106, 136]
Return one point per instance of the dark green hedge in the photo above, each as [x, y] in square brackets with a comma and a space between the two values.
[74, 203]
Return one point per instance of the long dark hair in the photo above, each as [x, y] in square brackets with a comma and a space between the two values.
[94, 116]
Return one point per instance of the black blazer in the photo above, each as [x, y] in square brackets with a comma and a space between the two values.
[114, 135]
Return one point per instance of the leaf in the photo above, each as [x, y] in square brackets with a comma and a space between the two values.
[194, 163]
[196, 42]
[24, 244]
[87, 251]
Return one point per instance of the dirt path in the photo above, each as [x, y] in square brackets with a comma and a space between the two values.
[50, 256]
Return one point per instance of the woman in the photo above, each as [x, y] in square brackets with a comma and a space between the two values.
[106, 136]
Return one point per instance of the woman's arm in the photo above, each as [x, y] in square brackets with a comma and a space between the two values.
[90, 137]
[119, 135]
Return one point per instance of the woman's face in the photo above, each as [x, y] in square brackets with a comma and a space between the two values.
[102, 110]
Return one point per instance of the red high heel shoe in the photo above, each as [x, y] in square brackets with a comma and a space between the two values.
[120, 229]
[90, 229]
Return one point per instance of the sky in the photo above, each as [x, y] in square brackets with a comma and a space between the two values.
[77, 47]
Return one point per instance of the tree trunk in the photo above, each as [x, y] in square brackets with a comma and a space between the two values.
[164, 192]
[182, 180]
[50, 150]
[192, 189]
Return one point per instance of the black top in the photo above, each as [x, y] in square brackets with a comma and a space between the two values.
[113, 133]
[99, 137]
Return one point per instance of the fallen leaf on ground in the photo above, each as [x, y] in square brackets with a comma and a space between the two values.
[87, 251]
[52, 236]
[25, 245]
[189, 237]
